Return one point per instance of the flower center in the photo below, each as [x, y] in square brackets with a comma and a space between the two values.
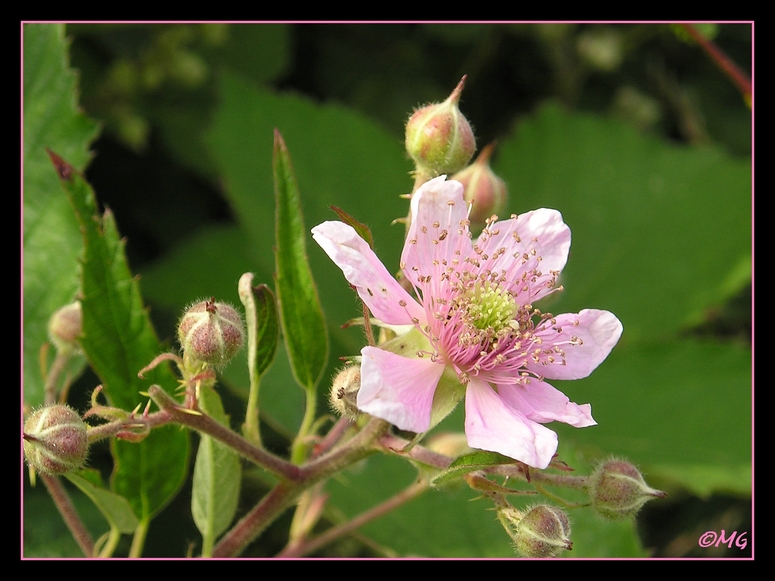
[489, 306]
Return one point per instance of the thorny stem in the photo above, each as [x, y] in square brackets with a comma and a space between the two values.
[282, 496]
[306, 547]
[69, 514]
[173, 412]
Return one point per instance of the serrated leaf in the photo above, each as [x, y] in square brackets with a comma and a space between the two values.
[217, 477]
[114, 508]
[301, 315]
[52, 241]
[118, 340]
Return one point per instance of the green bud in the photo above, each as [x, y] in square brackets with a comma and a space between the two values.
[439, 138]
[211, 333]
[55, 440]
[543, 532]
[618, 491]
[65, 327]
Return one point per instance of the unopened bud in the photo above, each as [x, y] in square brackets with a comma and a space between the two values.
[65, 327]
[211, 332]
[484, 190]
[618, 491]
[344, 392]
[543, 532]
[439, 138]
[55, 440]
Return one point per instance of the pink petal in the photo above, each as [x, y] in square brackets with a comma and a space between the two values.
[542, 403]
[398, 389]
[576, 344]
[537, 240]
[436, 232]
[362, 269]
[493, 425]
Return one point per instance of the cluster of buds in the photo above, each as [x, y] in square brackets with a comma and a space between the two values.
[617, 490]
[210, 333]
[55, 440]
[440, 140]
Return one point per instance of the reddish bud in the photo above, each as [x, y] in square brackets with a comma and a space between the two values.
[439, 138]
[211, 332]
[55, 440]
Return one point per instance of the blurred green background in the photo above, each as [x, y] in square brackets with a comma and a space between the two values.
[630, 130]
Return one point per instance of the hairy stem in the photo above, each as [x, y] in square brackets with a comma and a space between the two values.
[306, 547]
[69, 514]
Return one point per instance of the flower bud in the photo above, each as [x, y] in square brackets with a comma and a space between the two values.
[211, 332]
[439, 138]
[617, 489]
[344, 392]
[484, 190]
[65, 327]
[543, 532]
[55, 440]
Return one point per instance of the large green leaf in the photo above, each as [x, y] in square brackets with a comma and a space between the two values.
[304, 328]
[119, 341]
[52, 242]
[682, 410]
[657, 229]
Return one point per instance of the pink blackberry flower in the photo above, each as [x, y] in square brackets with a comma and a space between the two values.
[473, 328]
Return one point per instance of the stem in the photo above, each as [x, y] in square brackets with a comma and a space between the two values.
[727, 65]
[257, 520]
[300, 444]
[57, 367]
[285, 493]
[138, 541]
[306, 547]
[114, 535]
[69, 514]
[207, 425]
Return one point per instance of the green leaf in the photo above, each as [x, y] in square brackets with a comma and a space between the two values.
[301, 315]
[681, 410]
[118, 341]
[217, 476]
[657, 229]
[470, 462]
[266, 328]
[115, 508]
[52, 241]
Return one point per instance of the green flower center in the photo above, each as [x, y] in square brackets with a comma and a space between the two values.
[490, 307]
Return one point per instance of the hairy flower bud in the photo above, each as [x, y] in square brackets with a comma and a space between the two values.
[484, 190]
[55, 440]
[439, 138]
[65, 327]
[543, 532]
[618, 491]
[211, 332]
[344, 392]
